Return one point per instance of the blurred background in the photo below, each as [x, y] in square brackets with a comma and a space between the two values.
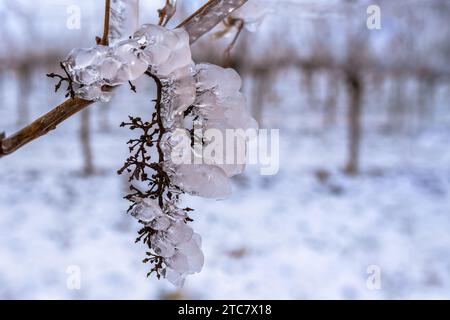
[363, 190]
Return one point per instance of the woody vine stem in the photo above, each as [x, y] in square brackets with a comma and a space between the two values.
[200, 22]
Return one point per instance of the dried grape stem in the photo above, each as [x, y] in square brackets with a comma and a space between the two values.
[239, 24]
[140, 159]
[161, 131]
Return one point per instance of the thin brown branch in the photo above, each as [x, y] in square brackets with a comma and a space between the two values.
[159, 120]
[167, 12]
[42, 125]
[161, 130]
[208, 16]
[239, 24]
[105, 36]
[203, 20]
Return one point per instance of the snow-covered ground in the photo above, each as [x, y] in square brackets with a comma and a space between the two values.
[307, 232]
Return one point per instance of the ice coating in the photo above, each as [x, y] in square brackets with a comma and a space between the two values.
[210, 76]
[203, 180]
[146, 210]
[172, 239]
[164, 52]
[187, 259]
[252, 13]
[124, 19]
[222, 107]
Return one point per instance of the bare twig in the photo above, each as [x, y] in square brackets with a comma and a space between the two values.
[69, 90]
[208, 16]
[203, 20]
[104, 41]
[166, 13]
[239, 24]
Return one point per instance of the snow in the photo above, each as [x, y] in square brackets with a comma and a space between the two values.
[283, 236]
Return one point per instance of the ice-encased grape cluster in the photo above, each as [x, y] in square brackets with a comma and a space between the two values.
[214, 95]
[172, 239]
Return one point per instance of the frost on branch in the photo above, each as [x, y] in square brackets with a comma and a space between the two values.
[191, 99]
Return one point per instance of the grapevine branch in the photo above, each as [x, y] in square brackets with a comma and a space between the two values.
[199, 23]
[167, 12]
[104, 39]
[138, 163]
[239, 24]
